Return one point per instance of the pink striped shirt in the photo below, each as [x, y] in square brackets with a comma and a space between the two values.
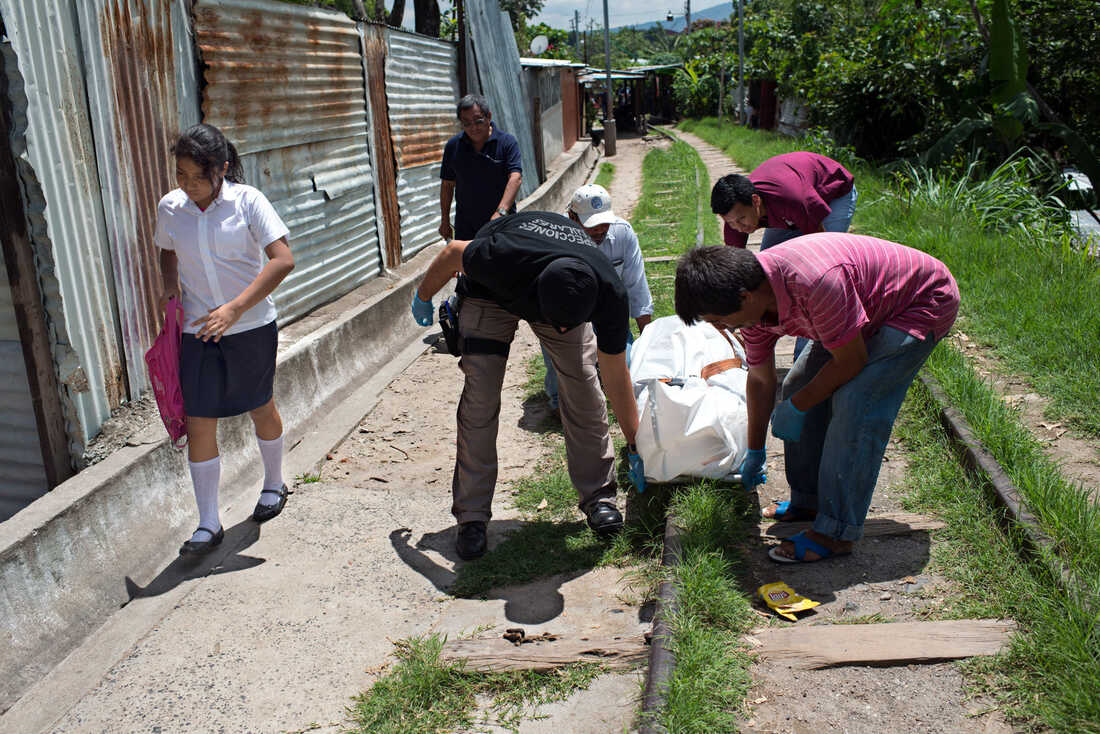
[830, 286]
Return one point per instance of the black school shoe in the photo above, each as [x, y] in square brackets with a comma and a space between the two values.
[471, 540]
[263, 512]
[196, 548]
[604, 517]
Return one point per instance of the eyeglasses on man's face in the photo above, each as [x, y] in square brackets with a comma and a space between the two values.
[476, 122]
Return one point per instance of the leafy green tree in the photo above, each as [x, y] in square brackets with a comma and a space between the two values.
[559, 46]
[709, 53]
[1063, 40]
[520, 10]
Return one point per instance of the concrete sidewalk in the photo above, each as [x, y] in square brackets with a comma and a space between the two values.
[88, 573]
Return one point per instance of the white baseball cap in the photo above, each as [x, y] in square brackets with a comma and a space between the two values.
[592, 205]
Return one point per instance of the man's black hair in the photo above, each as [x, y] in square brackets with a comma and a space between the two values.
[709, 280]
[731, 189]
[470, 101]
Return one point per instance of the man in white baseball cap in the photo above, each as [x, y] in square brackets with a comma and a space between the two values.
[613, 235]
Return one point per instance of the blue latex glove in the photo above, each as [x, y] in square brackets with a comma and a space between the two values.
[752, 468]
[422, 310]
[787, 421]
[636, 474]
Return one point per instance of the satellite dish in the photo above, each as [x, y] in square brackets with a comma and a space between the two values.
[539, 44]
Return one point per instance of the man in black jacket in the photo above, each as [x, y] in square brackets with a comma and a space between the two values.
[542, 268]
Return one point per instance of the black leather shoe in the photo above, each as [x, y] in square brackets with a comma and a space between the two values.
[604, 518]
[471, 540]
[196, 548]
[266, 512]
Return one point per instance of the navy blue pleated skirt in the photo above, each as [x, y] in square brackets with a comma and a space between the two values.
[231, 376]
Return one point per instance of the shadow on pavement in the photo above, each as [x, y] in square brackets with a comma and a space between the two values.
[527, 601]
[226, 558]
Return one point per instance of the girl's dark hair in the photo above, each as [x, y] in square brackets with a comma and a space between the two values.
[208, 148]
[710, 280]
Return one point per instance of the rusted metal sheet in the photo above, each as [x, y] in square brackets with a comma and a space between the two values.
[421, 93]
[422, 89]
[374, 65]
[55, 159]
[285, 83]
[130, 73]
[278, 74]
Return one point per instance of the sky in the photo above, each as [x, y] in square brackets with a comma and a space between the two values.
[559, 13]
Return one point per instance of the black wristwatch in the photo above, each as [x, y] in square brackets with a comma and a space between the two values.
[502, 211]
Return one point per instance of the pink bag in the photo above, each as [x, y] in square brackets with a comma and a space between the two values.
[163, 361]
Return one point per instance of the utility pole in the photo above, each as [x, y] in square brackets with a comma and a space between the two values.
[741, 62]
[609, 111]
[577, 31]
[687, 16]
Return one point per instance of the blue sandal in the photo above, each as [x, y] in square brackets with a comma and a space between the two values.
[802, 543]
[785, 513]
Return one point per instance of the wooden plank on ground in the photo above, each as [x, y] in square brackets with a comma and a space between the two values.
[828, 645]
[496, 654]
[662, 259]
[899, 523]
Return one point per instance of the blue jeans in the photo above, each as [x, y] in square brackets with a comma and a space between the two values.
[835, 465]
[841, 211]
[550, 382]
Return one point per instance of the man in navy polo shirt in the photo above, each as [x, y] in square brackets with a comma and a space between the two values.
[482, 170]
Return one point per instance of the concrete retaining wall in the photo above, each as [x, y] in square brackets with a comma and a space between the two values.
[71, 558]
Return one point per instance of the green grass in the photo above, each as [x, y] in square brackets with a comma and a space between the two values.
[607, 172]
[707, 689]
[1065, 510]
[1050, 677]
[708, 686]
[670, 212]
[1029, 295]
[422, 694]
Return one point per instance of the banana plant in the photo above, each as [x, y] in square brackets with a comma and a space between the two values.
[1013, 107]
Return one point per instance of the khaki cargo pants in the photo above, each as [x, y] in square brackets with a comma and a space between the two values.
[589, 453]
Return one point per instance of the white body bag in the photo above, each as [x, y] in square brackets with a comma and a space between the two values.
[689, 382]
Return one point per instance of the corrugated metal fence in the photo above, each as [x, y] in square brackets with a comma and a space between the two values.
[112, 82]
[285, 84]
[421, 88]
[56, 162]
[130, 76]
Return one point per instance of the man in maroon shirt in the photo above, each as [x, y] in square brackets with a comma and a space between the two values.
[874, 310]
[791, 194]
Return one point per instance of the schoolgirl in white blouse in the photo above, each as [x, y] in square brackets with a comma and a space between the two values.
[214, 233]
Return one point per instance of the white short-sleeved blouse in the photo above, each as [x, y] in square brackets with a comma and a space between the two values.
[220, 250]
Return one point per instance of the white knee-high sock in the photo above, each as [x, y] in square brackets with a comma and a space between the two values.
[272, 454]
[205, 475]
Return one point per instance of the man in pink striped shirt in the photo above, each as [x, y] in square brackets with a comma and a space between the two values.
[874, 310]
